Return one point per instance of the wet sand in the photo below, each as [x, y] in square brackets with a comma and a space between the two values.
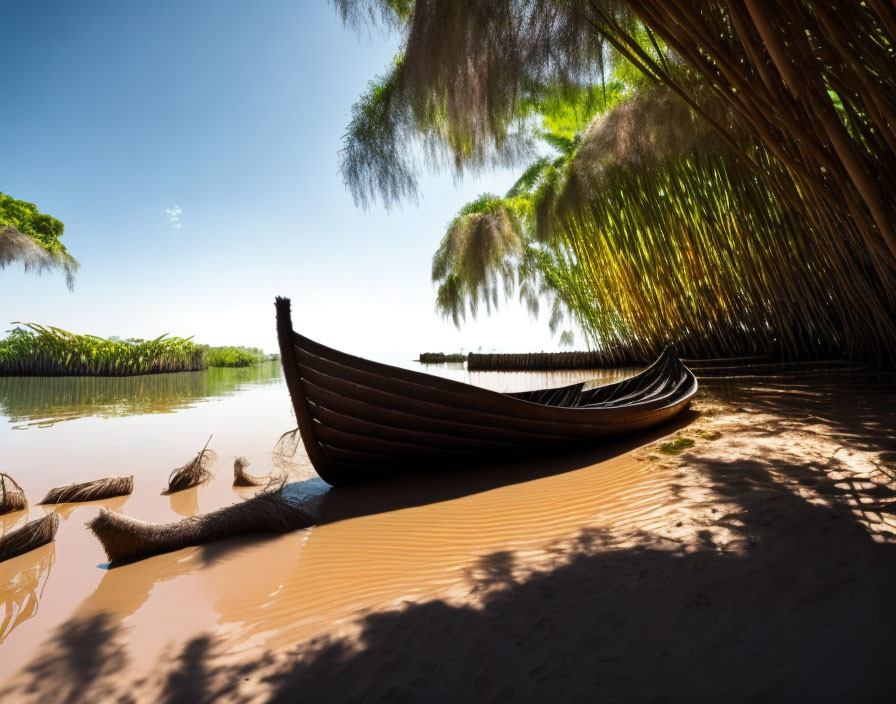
[757, 564]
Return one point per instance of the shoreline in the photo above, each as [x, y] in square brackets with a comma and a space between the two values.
[759, 558]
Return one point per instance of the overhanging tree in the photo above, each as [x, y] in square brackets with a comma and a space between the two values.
[801, 96]
[31, 238]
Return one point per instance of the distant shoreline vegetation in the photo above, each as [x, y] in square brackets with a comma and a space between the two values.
[441, 357]
[37, 350]
[234, 356]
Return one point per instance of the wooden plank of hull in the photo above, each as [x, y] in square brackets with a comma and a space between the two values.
[573, 426]
[328, 373]
[428, 437]
[359, 419]
[400, 418]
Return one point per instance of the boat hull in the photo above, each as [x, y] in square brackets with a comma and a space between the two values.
[360, 420]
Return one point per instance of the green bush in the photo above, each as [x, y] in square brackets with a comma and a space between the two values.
[233, 356]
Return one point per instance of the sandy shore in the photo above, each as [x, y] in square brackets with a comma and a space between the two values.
[757, 564]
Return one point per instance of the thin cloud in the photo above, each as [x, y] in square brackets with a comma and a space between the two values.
[174, 216]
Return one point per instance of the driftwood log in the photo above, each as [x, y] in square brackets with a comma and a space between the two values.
[126, 539]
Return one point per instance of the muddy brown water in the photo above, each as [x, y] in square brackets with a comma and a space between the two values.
[399, 541]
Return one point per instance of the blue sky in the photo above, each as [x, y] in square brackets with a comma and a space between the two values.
[230, 116]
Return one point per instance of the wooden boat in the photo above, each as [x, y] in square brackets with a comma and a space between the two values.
[361, 419]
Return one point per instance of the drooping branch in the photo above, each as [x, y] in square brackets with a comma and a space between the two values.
[31, 238]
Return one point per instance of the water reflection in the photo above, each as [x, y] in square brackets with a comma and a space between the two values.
[512, 381]
[11, 521]
[44, 401]
[185, 502]
[24, 587]
[115, 503]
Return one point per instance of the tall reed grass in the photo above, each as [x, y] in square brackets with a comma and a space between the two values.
[233, 356]
[38, 350]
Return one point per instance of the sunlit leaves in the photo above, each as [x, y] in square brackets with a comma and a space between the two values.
[20, 220]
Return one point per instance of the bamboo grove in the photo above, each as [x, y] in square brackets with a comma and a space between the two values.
[37, 350]
[735, 196]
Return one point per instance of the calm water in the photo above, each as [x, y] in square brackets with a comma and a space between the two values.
[56, 431]
[60, 430]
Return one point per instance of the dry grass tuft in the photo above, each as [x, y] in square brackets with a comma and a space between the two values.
[31, 535]
[193, 473]
[12, 496]
[126, 539]
[90, 491]
[242, 478]
[285, 456]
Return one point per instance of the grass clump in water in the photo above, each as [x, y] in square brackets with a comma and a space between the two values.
[193, 473]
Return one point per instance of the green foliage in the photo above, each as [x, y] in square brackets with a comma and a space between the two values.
[391, 13]
[474, 264]
[565, 112]
[25, 217]
[491, 247]
[37, 350]
[48, 351]
[233, 356]
[42, 229]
